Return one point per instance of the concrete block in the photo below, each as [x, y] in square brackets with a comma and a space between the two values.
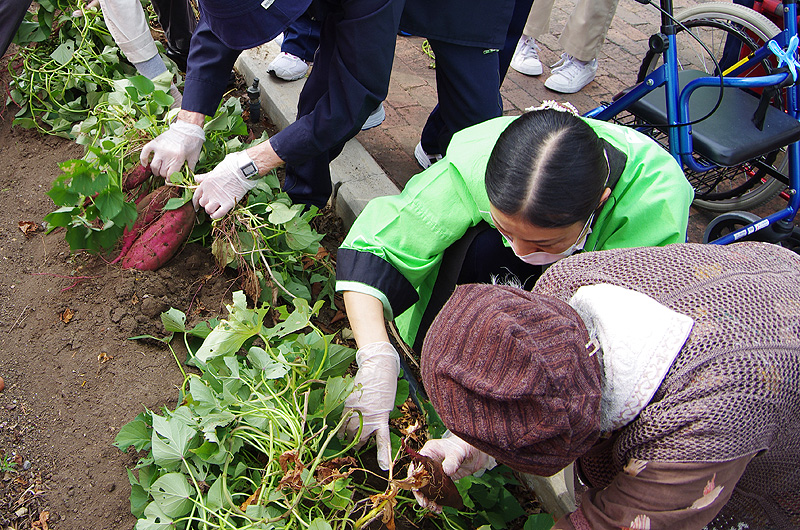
[556, 493]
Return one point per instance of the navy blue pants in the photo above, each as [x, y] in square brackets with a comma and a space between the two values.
[468, 83]
[11, 13]
[301, 38]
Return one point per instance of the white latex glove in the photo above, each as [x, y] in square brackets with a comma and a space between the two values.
[376, 386]
[458, 458]
[224, 186]
[94, 4]
[180, 143]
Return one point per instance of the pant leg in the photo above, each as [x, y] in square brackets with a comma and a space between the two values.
[301, 38]
[12, 12]
[178, 20]
[468, 86]
[586, 28]
[349, 80]
[519, 16]
[468, 83]
[128, 26]
[538, 22]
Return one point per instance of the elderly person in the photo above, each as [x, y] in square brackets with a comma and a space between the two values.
[669, 375]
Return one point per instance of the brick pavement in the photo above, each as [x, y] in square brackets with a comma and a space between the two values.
[412, 90]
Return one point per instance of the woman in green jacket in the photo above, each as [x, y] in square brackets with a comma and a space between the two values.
[511, 196]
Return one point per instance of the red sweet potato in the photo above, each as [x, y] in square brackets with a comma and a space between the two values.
[136, 177]
[440, 488]
[148, 210]
[161, 240]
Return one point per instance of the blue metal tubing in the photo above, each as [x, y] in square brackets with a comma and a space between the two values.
[685, 141]
[677, 103]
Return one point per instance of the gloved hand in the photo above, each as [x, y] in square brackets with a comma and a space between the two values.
[458, 458]
[224, 186]
[180, 143]
[94, 4]
[378, 368]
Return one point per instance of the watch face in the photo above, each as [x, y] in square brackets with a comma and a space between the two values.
[249, 170]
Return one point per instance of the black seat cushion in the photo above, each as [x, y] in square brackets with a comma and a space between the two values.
[728, 137]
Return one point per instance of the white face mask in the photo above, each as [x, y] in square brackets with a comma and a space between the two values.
[545, 258]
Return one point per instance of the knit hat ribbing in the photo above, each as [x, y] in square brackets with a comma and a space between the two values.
[509, 372]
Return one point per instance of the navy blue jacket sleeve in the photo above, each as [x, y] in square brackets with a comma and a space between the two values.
[208, 71]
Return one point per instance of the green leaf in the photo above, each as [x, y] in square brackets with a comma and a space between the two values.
[295, 321]
[155, 519]
[162, 98]
[143, 84]
[63, 54]
[336, 391]
[62, 216]
[282, 214]
[145, 122]
[539, 521]
[269, 367]
[319, 524]
[170, 439]
[214, 498]
[174, 320]
[299, 236]
[136, 433]
[172, 494]
[229, 335]
[109, 202]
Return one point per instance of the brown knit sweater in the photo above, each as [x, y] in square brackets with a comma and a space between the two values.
[734, 389]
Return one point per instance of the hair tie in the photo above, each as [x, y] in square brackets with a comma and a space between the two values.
[555, 105]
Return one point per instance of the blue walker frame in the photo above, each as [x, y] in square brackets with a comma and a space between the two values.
[677, 105]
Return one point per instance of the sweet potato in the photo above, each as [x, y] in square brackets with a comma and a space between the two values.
[136, 177]
[148, 210]
[161, 240]
[440, 488]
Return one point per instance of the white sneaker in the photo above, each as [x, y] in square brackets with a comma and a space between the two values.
[526, 57]
[288, 67]
[424, 159]
[375, 118]
[569, 76]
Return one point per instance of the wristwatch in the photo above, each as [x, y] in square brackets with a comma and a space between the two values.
[250, 171]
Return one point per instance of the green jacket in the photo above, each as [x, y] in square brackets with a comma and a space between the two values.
[395, 247]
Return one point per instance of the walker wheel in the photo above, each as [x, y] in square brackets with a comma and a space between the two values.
[727, 223]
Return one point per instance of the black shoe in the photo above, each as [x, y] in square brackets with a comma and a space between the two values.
[178, 57]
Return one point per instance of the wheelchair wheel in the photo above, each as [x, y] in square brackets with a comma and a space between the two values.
[730, 31]
[726, 223]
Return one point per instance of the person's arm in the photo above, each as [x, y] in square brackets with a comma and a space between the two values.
[365, 313]
[658, 495]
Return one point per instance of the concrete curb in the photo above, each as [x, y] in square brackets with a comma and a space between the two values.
[356, 177]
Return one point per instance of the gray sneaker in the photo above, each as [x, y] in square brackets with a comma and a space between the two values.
[569, 76]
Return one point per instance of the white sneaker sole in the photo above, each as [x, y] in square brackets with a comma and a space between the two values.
[375, 119]
[423, 159]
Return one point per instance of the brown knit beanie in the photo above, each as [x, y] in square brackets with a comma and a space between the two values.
[509, 372]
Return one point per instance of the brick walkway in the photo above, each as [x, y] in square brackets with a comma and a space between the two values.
[412, 91]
